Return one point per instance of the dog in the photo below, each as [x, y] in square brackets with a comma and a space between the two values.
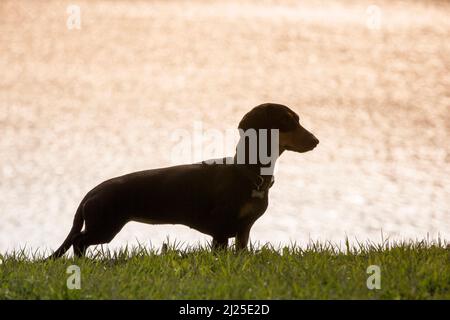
[220, 199]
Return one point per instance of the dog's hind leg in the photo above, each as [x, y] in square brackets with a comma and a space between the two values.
[95, 235]
[79, 249]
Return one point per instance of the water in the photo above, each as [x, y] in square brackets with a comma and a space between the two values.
[80, 106]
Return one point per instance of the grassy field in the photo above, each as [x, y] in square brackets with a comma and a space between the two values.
[79, 106]
[415, 270]
[378, 100]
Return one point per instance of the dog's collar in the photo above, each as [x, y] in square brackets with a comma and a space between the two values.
[260, 182]
[263, 183]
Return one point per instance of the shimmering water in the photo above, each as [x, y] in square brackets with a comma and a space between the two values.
[80, 106]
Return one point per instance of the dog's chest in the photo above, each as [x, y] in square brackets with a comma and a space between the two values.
[253, 208]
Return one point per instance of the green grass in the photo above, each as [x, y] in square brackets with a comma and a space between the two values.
[413, 270]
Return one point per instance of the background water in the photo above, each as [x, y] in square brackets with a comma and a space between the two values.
[80, 106]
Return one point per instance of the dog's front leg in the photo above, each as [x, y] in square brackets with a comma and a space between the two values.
[220, 243]
[242, 238]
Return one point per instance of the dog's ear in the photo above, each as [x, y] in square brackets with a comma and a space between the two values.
[255, 119]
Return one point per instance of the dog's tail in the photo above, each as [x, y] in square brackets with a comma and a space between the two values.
[76, 228]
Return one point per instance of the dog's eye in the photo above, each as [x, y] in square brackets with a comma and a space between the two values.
[288, 123]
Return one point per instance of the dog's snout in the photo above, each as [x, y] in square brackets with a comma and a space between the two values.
[312, 140]
[315, 141]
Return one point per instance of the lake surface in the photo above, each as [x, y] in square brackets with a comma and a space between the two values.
[80, 106]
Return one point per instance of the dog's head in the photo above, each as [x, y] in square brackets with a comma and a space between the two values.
[292, 136]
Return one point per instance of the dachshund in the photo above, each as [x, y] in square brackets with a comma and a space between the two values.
[222, 198]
